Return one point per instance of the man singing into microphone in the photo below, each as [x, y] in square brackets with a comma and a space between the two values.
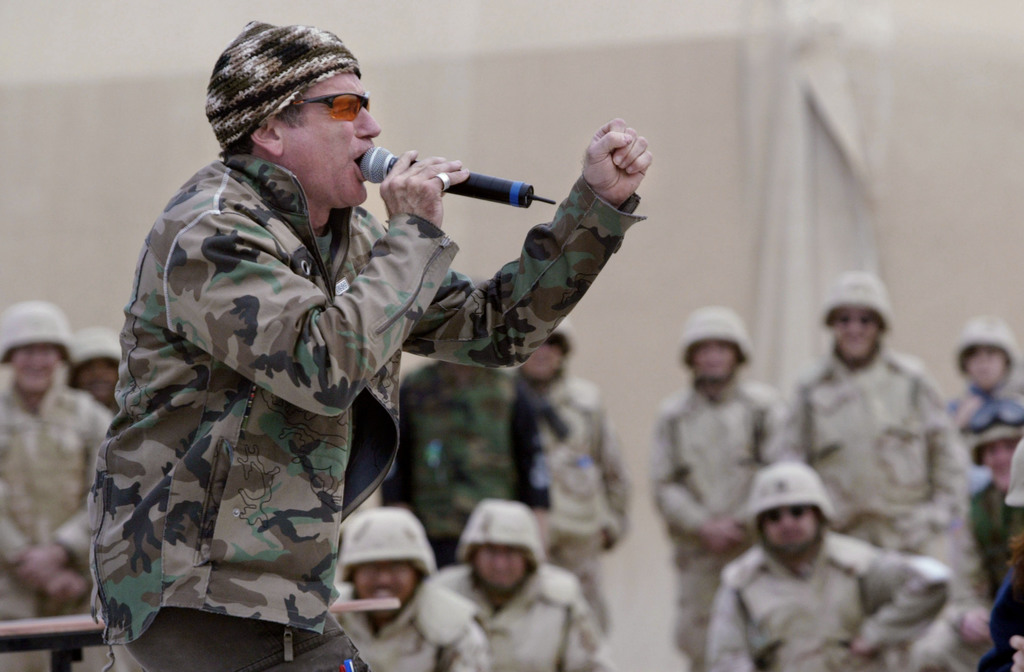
[262, 341]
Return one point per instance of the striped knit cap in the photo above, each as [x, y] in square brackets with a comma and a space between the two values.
[264, 69]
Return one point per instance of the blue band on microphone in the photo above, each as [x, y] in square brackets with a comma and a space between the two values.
[513, 193]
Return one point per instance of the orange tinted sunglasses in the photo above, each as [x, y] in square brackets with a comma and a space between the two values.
[344, 106]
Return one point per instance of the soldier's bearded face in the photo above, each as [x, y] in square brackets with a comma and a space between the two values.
[790, 531]
[499, 569]
[856, 332]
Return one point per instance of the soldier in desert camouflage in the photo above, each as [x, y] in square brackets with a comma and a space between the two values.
[806, 599]
[95, 355]
[49, 435]
[534, 614]
[708, 444]
[257, 404]
[873, 424]
[590, 486]
[384, 553]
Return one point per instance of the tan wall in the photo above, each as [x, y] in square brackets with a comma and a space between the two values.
[102, 119]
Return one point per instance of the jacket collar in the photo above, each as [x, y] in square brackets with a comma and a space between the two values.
[280, 190]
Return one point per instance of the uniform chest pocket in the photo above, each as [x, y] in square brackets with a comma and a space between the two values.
[902, 451]
[575, 475]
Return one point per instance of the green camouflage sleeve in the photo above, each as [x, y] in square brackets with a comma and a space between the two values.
[501, 321]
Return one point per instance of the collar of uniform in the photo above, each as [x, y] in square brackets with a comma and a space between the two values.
[49, 401]
[280, 190]
[277, 186]
[837, 366]
[728, 392]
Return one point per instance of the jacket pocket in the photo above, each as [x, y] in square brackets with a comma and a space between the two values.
[902, 453]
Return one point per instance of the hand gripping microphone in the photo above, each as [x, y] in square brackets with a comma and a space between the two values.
[377, 163]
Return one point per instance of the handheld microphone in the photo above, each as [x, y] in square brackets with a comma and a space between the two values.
[377, 163]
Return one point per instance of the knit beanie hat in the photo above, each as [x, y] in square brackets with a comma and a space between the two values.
[265, 69]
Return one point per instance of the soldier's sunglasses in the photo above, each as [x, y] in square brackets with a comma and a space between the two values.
[775, 515]
[344, 106]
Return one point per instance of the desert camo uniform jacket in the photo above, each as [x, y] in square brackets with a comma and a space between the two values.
[258, 399]
[766, 617]
[704, 456]
[46, 467]
[884, 445]
[547, 626]
[436, 631]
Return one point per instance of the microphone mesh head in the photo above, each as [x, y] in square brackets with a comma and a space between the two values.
[376, 163]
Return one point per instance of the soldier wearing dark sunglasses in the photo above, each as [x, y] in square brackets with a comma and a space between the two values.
[806, 599]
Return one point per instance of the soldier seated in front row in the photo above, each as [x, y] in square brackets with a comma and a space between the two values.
[534, 613]
[385, 553]
[806, 599]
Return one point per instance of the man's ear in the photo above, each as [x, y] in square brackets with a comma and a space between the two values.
[268, 138]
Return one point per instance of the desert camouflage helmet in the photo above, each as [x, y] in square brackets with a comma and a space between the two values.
[714, 323]
[385, 534]
[859, 289]
[987, 330]
[95, 343]
[503, 522]
[31, 322]
[996, 432]
[787, 483]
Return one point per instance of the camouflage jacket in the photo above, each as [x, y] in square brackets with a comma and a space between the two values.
[436, 631]
[466, 434]
[47, 463]
[590, 487]
[766, 617]
[993, 524]
[258, 399]
[881, 440]
[546, 627]
[46, 467]
[705, 453]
